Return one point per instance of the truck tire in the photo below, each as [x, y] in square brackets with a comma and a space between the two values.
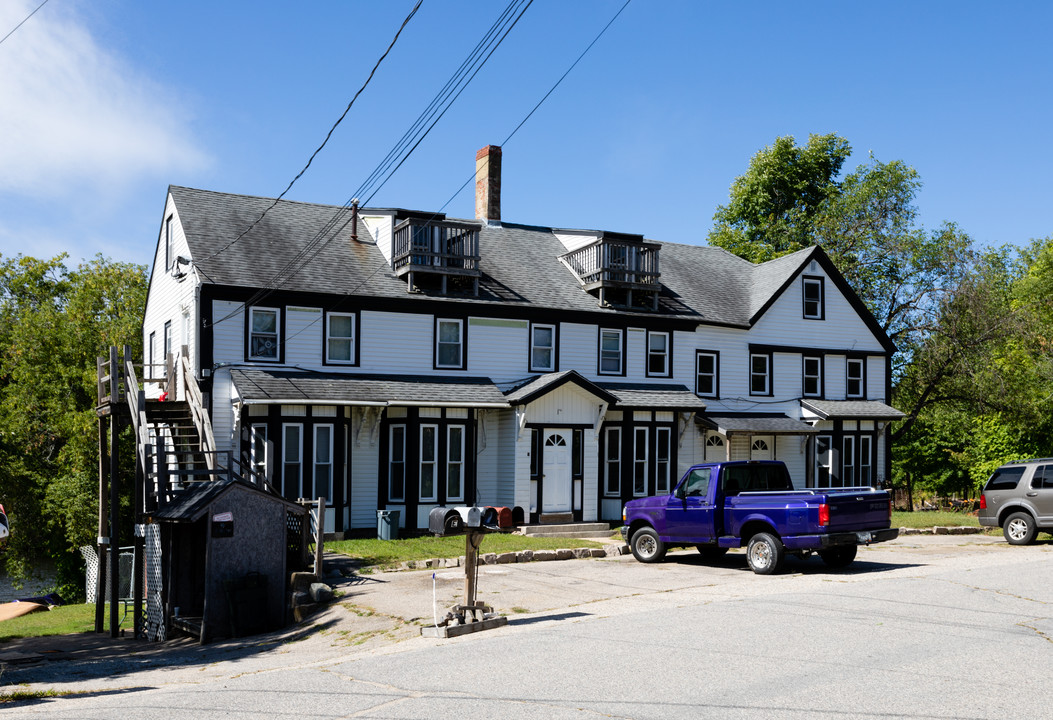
[1019, 529]
[711, 552]
[839, 557]
[646, 546]
[765, 553]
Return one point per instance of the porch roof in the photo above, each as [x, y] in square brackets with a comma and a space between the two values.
[190, 503]
[531, 388]
[730, 423]
[667, 396]
[320, 388]
[852, 410]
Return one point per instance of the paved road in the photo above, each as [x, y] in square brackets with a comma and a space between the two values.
[924, 627]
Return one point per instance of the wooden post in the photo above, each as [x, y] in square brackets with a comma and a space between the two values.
[115, 500]
[473, 539]
[319, 539]
[102, 538]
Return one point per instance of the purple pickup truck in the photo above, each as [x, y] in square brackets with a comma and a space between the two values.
[717, 506]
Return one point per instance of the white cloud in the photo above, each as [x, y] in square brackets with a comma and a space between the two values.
[74, 116]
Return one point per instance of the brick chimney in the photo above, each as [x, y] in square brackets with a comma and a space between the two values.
[488, 184]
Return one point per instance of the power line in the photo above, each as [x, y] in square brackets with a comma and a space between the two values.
[314, 246]
[470, 177]
[5, 37]
[328, 135]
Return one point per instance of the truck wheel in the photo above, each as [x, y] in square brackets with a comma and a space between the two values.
[711, 552]
[1019, 529]
[765, 553]
[839, 557]
[646, 546]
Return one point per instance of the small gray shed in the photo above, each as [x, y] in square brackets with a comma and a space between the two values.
[227, 551]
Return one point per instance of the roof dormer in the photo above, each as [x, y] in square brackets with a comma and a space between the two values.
[620, 269]
[428, 251]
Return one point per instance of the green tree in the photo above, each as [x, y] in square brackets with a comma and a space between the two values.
[54, 323]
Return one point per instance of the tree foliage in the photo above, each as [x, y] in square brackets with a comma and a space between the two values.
[973, 369]
[54, 323]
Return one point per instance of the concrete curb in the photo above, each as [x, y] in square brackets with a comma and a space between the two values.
[523, 556]
[938, 530]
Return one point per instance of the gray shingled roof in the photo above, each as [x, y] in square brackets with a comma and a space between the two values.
[528, 389]
[852, 409]
[188, 504]
[754, 424]
[669, 396]
[291, 386]
[701, 283]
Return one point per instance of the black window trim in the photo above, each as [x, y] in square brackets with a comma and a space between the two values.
[356, 338]
[820, 360]
[280, 356]
[821, 282]
[555, 346]
[622, 333]
[862, 360]
[668, 353]
[464, 343]
[770, 380]
[716, 373]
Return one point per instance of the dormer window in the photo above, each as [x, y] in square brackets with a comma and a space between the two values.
[813, 298]
[621, 270]
[436, 254]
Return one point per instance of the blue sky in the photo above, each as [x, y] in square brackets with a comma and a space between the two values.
[105, 103]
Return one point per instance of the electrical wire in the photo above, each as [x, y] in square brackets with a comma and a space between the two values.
[466, 182]
[327, 137]
[501, 27]
[5, 37]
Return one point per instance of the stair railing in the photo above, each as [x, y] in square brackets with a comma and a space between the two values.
[197, 409]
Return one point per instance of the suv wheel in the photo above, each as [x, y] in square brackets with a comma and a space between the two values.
[1019, 529]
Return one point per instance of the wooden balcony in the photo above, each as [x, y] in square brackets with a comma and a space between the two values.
[622, 266]
[437, 248]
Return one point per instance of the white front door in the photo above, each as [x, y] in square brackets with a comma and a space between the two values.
[762, 447]
[556, 483]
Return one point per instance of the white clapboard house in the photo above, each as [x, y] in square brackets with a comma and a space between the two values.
[390, 359]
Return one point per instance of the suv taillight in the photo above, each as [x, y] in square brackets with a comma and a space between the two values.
[983, 502]
[824, 514]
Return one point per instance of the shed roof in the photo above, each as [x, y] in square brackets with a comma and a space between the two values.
[728, 424]
[852, 409]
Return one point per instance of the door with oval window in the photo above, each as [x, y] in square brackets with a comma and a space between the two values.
[556, 484]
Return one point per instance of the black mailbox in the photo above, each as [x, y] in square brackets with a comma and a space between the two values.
[445, 521]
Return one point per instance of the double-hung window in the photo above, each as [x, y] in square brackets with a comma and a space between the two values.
[848, 461]
[865, 444]
[264, 333]
[658, 354]
[292, 459]
[258, 452]
[323, 462]
[813, 298]
[610, 352]
[760, 374]
[167, 340]
[340, 338]
[449, 344]
[542, 348]
[706, 369]
[429, 461]
[454, 462]
[640, 453]
[813, 376]
[612, 463]
[854, 378]
[662, 451]
[397, 463]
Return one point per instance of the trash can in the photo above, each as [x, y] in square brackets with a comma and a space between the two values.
[387, 524]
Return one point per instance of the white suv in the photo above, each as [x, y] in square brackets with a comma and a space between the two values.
[1019, 499]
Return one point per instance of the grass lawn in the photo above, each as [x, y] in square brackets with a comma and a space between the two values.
[390, 553]
[61, 620]
[926, 519]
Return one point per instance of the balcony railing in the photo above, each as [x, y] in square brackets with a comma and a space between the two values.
[439, 247]
[615, 264]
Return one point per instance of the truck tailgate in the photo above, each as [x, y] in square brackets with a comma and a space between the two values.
[857, 510]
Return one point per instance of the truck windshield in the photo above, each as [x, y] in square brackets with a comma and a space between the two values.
[751, 478]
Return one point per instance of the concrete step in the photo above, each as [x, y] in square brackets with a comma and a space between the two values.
[582, 530]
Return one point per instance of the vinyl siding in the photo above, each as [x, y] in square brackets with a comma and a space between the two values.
[303, 336]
